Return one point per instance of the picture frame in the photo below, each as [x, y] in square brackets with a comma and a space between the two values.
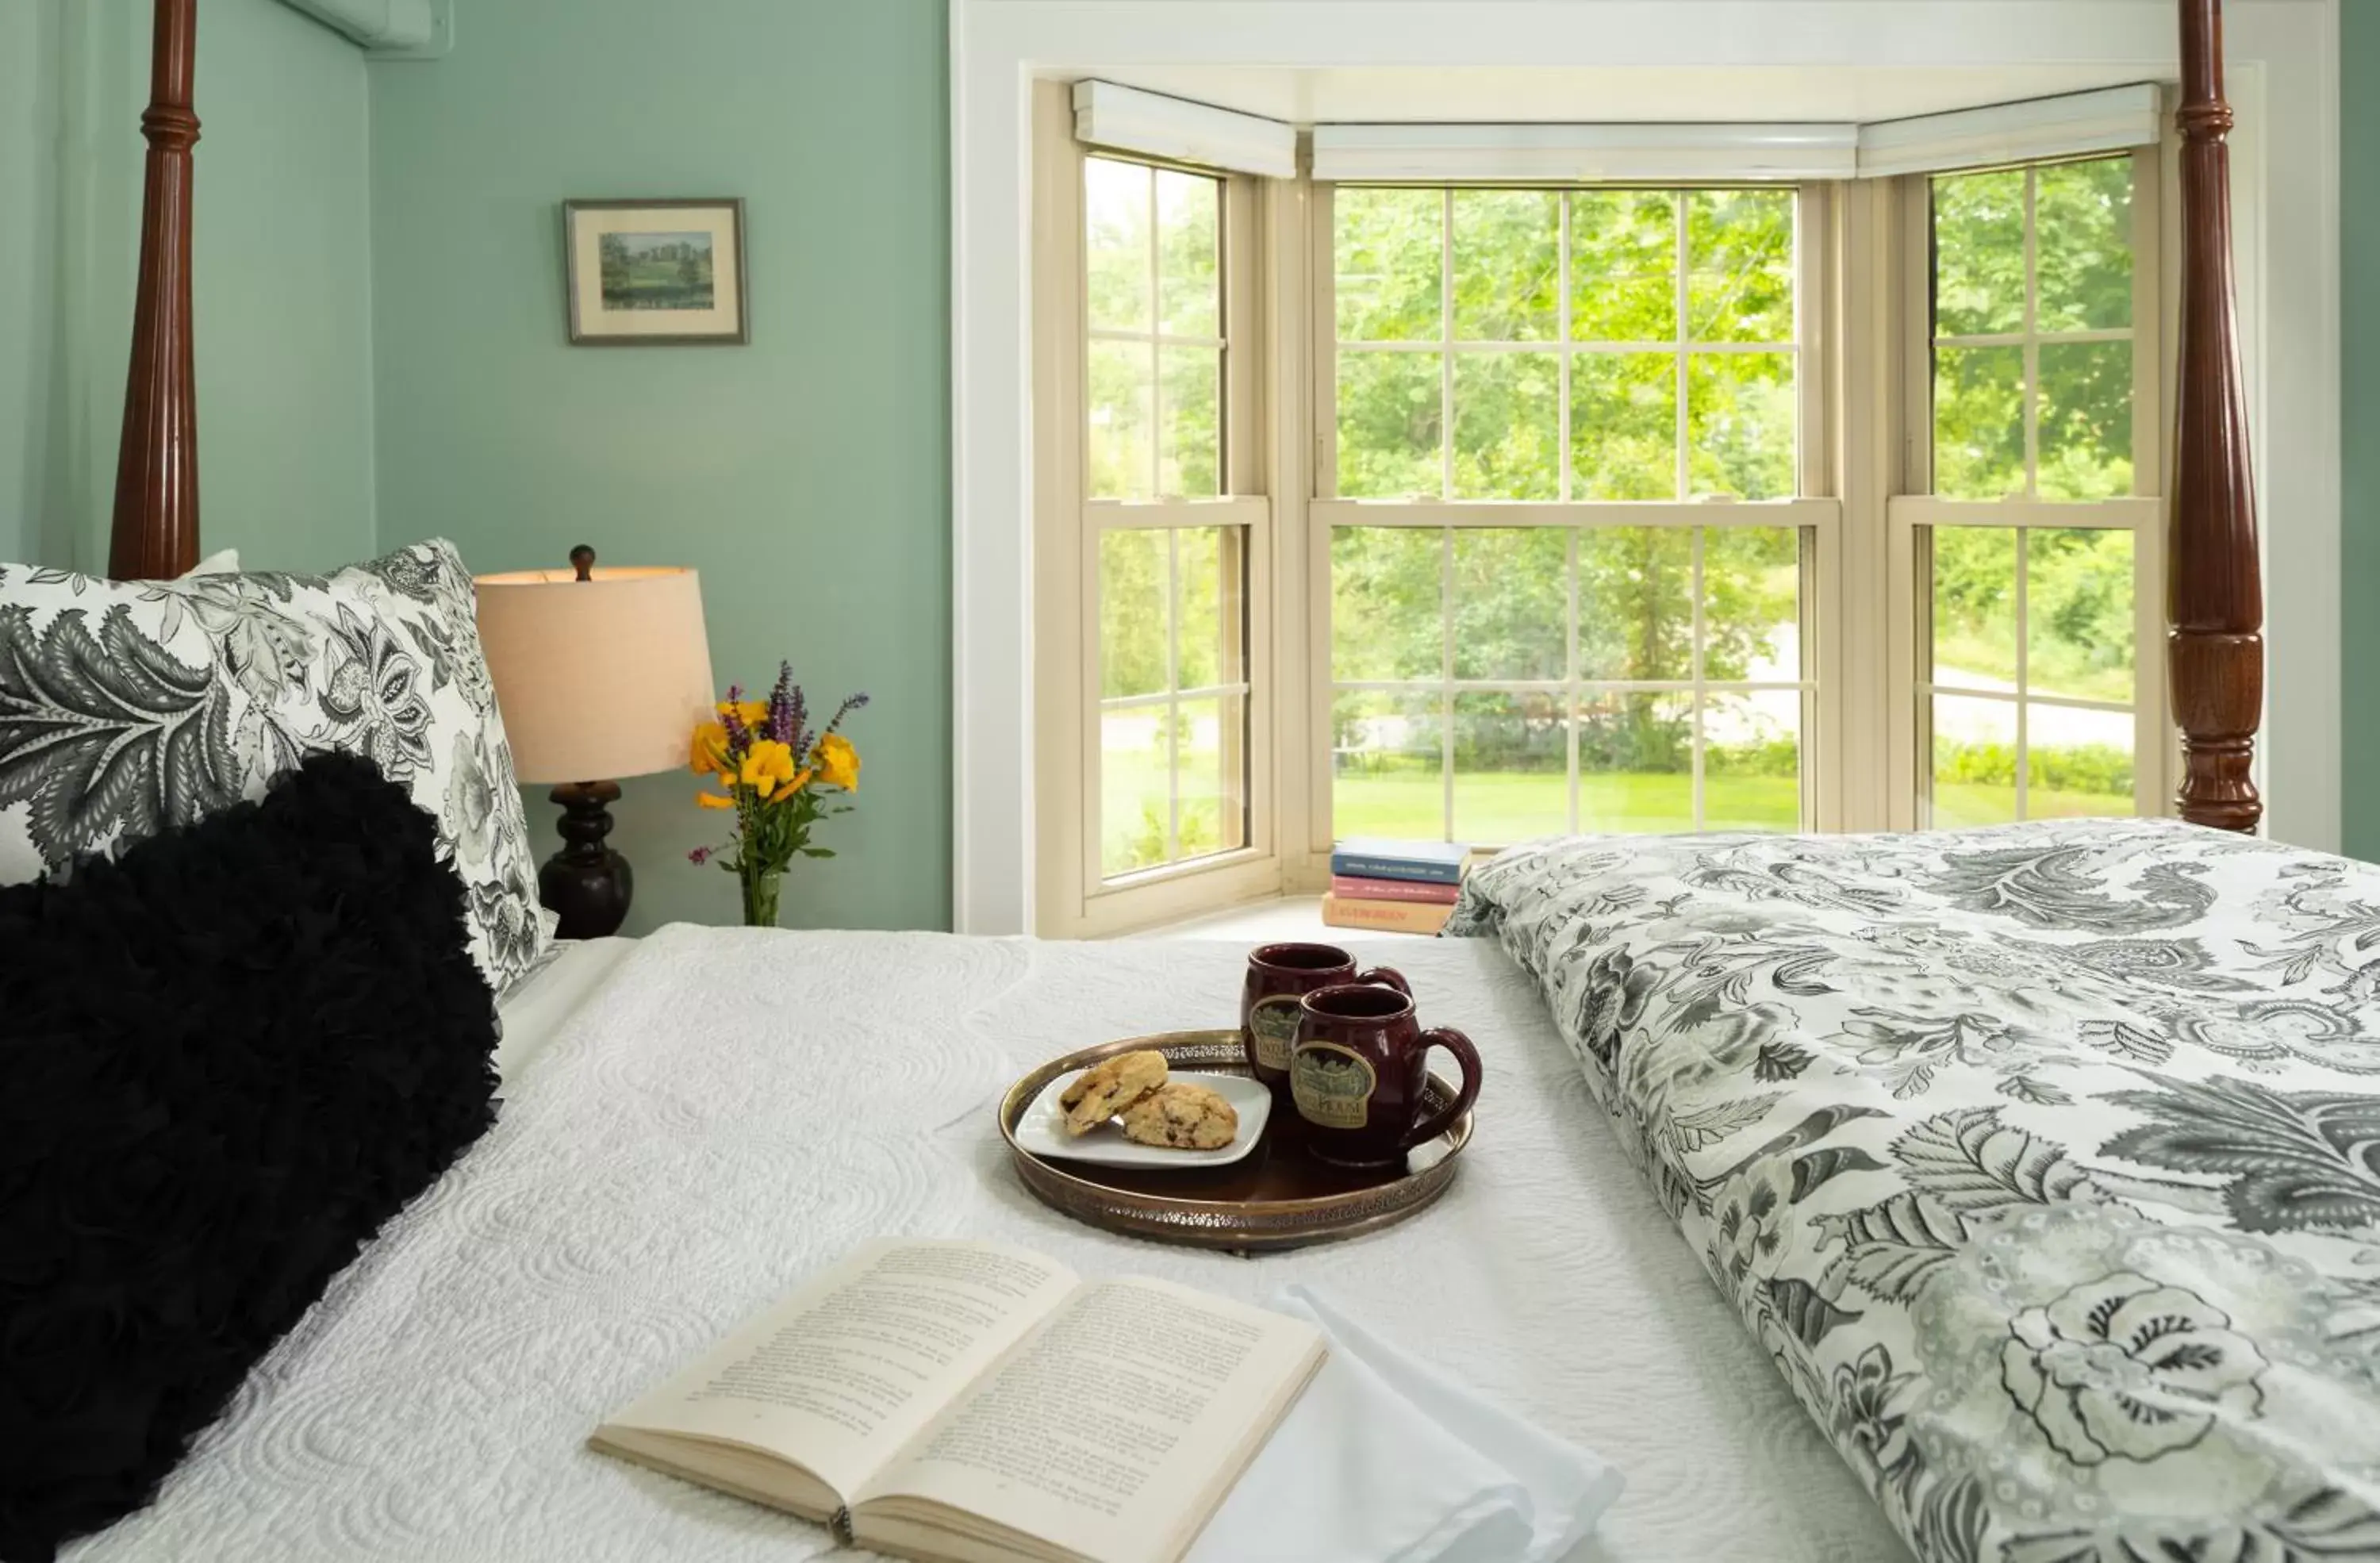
[655, 272]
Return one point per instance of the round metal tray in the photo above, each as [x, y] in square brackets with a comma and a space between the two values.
[1277, 1196]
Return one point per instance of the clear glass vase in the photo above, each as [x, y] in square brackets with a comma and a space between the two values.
[760, 886]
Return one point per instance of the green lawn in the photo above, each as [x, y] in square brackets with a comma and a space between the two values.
[1496, 808]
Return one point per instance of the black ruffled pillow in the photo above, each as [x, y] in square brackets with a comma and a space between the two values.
[226, 1059]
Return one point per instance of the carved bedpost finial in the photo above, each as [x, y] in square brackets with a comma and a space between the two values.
[156, 529]
[2215, 592]
[582, 559]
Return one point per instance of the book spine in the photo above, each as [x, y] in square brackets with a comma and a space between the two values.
[1389, 916]
[1394, 890]
[1353, 866]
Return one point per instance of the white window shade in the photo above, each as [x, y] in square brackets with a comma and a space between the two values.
[1464, 153]
[2110, 120]
[1126, 119]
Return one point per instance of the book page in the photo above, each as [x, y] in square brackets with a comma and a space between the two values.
[840, 1375]
[1115, 1429]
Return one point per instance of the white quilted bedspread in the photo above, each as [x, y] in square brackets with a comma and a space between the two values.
[739, 1108]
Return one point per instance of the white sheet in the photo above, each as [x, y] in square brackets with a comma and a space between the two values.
[532, 1014]
[737, 1108]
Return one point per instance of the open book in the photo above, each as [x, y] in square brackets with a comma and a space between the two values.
[969, 1402]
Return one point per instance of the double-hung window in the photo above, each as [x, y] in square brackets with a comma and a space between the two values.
[2031, 545]
[1154, 726]
[1568, 559]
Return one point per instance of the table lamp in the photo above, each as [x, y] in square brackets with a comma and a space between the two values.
[600, 674]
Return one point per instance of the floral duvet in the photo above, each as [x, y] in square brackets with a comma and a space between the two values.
[2043, 1160]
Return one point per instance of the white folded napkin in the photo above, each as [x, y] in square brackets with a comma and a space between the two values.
[1383, 1460]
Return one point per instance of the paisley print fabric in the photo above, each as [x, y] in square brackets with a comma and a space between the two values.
[129, 706]
[2042, 1160]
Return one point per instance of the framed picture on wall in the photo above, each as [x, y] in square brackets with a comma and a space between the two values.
[655, 272]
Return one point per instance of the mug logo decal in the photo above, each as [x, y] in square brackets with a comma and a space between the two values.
[1273, 1024]
[1332, 1084]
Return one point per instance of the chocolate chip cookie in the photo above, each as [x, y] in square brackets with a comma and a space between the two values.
[1109, 1088]
[1181, 1116]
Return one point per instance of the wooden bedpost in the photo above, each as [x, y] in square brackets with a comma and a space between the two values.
[156, 527]
[2215, 595]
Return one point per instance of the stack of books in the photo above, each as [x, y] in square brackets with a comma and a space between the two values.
[1397, 887]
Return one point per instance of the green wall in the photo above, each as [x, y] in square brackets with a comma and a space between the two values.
[806, 475]
[2359, 189]
[281, 253]
[29, 196]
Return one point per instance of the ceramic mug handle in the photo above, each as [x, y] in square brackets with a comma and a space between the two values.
[1454, 1042]
[1385, 976]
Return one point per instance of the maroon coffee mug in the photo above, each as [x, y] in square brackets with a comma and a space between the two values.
[1360, 1071]
[1279, 976]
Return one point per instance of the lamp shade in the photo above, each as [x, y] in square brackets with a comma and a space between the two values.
[600, 678]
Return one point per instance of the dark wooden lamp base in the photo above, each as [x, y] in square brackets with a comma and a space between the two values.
[586, 884]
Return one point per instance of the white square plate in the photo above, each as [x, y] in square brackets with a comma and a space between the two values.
[1042, 1129]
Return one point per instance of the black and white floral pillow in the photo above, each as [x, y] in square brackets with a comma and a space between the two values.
[128, 707]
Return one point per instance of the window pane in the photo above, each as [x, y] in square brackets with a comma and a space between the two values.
[1740, 424]
[1623, 425]
[1752, 761]
[2078, 615]
[1115, 232]
[1135, 758]
[2077, 763]
[1390, 418]
[1188, 256]
[1752, 603]
[1507, 426]
[1623, 264]
[1117, 448]
[1740, 265]
[1507, 265]
[1211, 743]
[1979, 421]
[2083, 245]
[1385, 585]
[1387, 247]
[1208, 614]
[1979, 253]
[1636, 763]
[1635, 603]
[1189, 437]
[1385, 765]
[1974, 761]
[1975, 607]
[1512, 767]
[2087, 419]
[1512, 603]
[1131, 613]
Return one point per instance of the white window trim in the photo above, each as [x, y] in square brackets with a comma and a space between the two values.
[2283, 83]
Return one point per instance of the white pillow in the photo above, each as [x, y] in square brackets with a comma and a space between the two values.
[224, 563]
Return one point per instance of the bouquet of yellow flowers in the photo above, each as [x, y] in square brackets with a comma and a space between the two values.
[780, 778]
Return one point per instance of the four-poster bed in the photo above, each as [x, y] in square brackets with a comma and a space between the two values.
[2030, 1156]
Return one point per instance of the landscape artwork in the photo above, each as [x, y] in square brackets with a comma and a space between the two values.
[655, 272]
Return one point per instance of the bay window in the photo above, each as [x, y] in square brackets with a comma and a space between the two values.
[1480, 510]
